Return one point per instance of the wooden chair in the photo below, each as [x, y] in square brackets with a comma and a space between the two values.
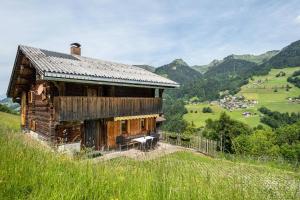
[121, 142]
[148, 144]
[154, 142]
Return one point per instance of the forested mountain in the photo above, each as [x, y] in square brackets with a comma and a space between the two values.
[258, 59]
[231, 68]
[203, 68]
[9, 103]
[179, 71]
[228, 74]
[287, 57]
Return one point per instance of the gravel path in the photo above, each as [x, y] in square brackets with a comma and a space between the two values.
[161, 150]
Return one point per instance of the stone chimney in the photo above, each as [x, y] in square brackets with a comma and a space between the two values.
[75, 49]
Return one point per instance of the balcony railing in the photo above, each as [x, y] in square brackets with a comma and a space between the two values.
[73, 108]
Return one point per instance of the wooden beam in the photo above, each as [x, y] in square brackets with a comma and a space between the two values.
[22, 81]
[25, 61]
[25, 70]
[160, 91]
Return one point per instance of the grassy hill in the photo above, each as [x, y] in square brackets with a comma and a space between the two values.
[9, 122]
[27, 171]
[263, 92]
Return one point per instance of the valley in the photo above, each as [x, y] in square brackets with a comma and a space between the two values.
[260, 88]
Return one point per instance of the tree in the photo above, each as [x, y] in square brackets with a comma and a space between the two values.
[260, 143]
[174, 111]
[225, 130]
[207, 110]
[194, 99]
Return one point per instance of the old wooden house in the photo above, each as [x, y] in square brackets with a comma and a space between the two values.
[68, 98]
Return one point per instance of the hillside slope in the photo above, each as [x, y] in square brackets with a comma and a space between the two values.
[287, 57]
[178, 71]
[146, 67]
[28, 171]
[204, 68]
[10, 104]
[260, 88]
[231, 67]
[258, 59]
[228, 75]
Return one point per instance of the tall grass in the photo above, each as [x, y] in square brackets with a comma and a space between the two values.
[29, 172]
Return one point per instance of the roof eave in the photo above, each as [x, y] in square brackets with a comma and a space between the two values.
[8, 92]
[106, 81]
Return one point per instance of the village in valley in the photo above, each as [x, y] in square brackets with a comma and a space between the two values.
[231, 103]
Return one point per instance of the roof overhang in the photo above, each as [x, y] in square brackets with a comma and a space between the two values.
[9, 88]
[104, 81]
[52, 76]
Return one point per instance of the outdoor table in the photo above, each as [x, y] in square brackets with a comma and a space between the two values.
[143, 139]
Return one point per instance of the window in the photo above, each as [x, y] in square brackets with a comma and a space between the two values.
[124, 126]
[143, 124]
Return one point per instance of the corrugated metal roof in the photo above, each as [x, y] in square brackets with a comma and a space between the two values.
[54, 65]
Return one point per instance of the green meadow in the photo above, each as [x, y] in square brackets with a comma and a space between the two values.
[28, 171]
[260, 88]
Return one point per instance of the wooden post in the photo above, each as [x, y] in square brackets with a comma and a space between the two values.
[160, 93]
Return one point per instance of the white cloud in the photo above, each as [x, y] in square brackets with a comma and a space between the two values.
[297, 19]
[146, 32]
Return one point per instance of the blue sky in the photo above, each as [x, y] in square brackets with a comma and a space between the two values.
[153, 32]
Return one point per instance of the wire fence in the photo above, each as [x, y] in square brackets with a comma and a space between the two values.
[196, 142]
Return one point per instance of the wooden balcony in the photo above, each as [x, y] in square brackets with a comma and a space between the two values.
[73, 108]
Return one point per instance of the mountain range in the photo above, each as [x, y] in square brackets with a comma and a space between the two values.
[229, 74]
[258, 59]
[207, 82]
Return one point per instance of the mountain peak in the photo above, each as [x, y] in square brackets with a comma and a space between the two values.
[179, 62]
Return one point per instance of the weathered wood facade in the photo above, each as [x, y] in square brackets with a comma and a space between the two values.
[85, 108]
[67, 111]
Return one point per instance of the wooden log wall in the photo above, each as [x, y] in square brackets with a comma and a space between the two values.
[113, 130]
[86, 108]
[69, 132]
[40, 111]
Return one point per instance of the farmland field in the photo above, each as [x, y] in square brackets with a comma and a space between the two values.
[261, 88]
[28, 171]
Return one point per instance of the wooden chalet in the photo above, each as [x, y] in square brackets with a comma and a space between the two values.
[68, 98]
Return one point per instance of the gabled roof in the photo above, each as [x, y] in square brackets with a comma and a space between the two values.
[66, 67]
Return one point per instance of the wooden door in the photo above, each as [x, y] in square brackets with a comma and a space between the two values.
[90, 132]
[94, 134]
[101, 134]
